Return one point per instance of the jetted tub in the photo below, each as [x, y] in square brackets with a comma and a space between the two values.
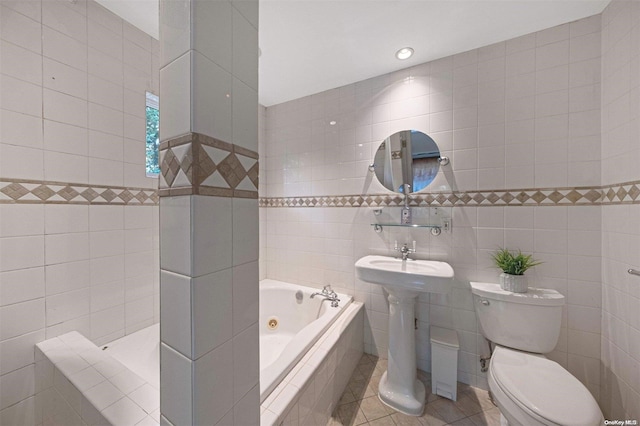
[291, 324]
[288, 328]
[140, 353]
[299, 323]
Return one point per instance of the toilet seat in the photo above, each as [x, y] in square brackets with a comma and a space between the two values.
[542, 389]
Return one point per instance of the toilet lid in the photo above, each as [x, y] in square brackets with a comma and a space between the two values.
[543, 388]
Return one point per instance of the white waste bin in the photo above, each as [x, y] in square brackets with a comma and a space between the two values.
[444, 362]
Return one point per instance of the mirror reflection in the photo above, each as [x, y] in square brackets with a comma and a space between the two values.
[407, 161]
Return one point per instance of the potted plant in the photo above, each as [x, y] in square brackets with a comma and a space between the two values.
[513, 266]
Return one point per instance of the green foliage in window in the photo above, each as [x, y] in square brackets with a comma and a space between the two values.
[153, 141]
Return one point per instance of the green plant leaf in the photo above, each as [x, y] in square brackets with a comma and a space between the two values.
[514, 263]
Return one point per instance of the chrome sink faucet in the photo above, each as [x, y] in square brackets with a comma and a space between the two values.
[405, 251]
[328, 294]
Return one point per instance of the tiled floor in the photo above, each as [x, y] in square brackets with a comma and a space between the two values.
[360, 405]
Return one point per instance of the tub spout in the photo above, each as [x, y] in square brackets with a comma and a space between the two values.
[328, 294]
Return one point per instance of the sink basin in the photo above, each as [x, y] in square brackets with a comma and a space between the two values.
[417, 275]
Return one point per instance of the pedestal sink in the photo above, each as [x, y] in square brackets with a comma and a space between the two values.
[404, 280]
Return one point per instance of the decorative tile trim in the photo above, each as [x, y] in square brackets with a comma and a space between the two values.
[24, 191]
[196, 164]
[623, 193]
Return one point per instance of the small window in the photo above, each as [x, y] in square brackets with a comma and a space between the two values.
[153, 135]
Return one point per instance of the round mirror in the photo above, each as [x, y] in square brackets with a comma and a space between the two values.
[408, 157]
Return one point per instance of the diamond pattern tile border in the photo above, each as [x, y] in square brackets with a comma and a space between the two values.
[42, 192]
[624, 193]
[621, 193]
[201, 165]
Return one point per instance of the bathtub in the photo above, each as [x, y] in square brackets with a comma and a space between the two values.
[290, 323]
[289, 326]
[139, 352]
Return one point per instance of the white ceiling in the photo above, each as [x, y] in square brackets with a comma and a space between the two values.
[309, 46]
[144, 14]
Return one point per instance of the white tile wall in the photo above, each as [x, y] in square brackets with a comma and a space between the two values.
[212, 250]
[175, 400]
[211, 373]
[262, 112]
[66, 110]
[207, 291]
[245, 296]
[620, 388]
[509, 116]
[211, 88]
[209, 244]
[175, 86]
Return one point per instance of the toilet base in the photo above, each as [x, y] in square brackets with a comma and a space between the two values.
[406, 402]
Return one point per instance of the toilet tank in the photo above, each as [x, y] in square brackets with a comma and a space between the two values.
[525, 321]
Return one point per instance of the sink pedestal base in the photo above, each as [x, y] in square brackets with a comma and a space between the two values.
[409, 403]
[403, 280]
[399, 387]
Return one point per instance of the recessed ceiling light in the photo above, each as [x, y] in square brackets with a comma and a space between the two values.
[404, 53]
[333, 122]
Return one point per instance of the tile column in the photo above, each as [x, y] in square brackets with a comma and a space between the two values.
[209, 212]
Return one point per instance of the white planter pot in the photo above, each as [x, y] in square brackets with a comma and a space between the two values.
[514, 283]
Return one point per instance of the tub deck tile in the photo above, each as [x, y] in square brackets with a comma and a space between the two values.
[90, 385]
[148, 421]
[124, 412]
[147, 397]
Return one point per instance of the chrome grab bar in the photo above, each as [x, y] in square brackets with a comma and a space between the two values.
[634, 272]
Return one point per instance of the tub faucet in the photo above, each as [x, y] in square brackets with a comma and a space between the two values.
[328, 294]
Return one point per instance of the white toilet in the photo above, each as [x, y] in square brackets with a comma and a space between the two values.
[528, 388]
